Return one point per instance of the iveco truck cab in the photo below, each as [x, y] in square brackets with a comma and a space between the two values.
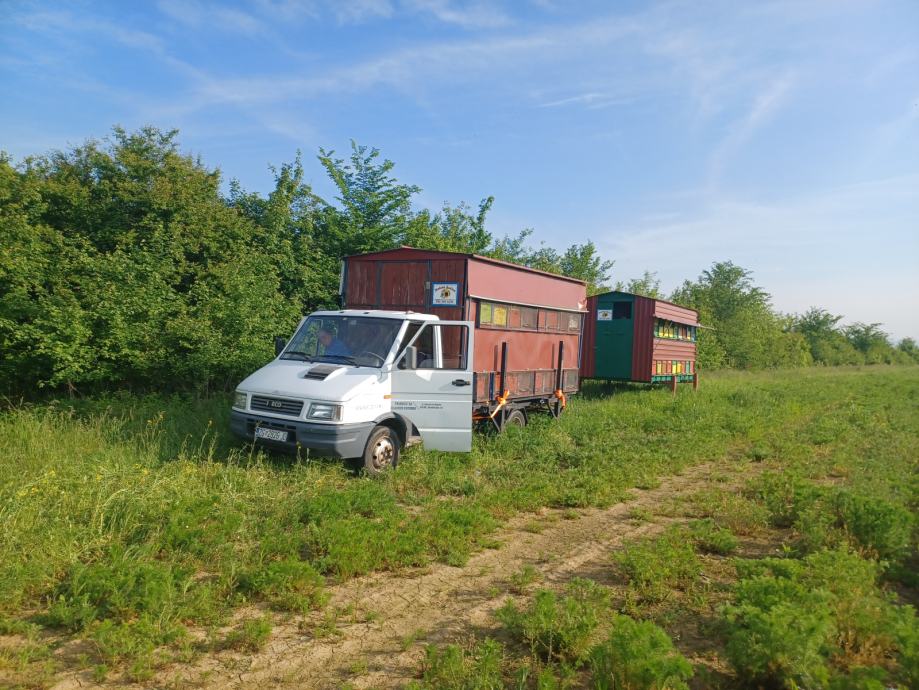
[363, 384]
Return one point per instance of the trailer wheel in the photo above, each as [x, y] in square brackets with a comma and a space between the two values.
[382, 450]
[515, 418]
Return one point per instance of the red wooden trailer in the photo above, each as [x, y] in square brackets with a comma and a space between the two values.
[630, 337]
[528, 323]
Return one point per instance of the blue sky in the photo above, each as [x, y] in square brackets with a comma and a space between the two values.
[781, 135]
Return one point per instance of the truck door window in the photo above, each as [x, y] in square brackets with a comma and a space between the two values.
[453, 340]
[453, 346]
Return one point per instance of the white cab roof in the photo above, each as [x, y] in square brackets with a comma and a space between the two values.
[379, 314]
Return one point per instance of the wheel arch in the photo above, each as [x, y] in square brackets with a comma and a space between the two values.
[397, 423]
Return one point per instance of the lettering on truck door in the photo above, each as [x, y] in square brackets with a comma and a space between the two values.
[435, 391]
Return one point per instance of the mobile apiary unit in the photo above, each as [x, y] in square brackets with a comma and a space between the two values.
[428, 343]
[634, 338]
[528, 323]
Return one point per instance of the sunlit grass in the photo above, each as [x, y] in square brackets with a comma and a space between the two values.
[127, 520]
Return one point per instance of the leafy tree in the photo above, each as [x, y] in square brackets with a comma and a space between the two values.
[647, 285]
[909, 348]
[745, 332]
[824, 338]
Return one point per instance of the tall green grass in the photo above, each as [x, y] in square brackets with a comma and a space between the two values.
[128, 519]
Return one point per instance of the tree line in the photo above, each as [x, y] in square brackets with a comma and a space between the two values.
[124, 263]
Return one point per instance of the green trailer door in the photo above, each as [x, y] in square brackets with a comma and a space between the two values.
[615, 329]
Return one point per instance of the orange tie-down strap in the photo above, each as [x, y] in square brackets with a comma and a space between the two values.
[502, 401]
[560, 394]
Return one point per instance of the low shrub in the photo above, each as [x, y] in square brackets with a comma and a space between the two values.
[287, 585]
[250, 635]
[883, 528]
[799, 623]
[638, 655]
[711, 538]
[559, 628]
[453, 668]
[656, 565]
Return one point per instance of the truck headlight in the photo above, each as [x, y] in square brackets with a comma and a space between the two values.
[324, 411]
[239, 400]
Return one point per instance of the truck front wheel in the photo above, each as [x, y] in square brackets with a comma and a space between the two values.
[382, 450]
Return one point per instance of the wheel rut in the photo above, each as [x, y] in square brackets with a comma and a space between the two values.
[377, 642]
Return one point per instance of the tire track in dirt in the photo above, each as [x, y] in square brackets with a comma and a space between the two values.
[445, 603]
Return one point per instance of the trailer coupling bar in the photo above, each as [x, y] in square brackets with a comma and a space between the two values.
[502, 401]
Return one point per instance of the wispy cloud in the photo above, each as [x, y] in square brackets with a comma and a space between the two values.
[766, 103]
[200, 14]
[590, 100]
[470, 15]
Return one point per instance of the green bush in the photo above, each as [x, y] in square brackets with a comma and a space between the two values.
[798, 623]
[453, 668]
[287, 585]
[656, 565]
[559, 628]
[638, 655]
[710, 538]
[876, 524]
[779, 632]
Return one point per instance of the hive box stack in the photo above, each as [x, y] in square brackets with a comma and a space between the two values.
[634, 338]
[538, 315]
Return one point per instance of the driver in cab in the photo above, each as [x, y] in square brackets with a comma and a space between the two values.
[332, 345]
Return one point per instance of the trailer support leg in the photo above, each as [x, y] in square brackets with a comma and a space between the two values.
[695, 381]
[559, 375]
[673, 383]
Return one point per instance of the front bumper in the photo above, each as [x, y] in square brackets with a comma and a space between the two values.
[334, 440]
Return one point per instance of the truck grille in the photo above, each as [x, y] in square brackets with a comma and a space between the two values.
[291, 408]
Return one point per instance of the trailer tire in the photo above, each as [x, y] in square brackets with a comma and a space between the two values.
[382, 450]
[515, 418]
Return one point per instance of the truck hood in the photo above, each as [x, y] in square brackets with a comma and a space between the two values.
[290, 378]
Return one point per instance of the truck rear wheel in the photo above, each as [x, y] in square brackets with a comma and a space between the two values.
[382, 450]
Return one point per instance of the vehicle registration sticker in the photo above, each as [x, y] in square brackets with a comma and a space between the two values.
[271, 434]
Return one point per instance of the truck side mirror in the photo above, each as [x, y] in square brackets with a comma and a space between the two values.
[279, 344]
[411, 357]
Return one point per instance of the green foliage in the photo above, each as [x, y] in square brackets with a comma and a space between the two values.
[797, 623]
[743, 330]
[123, 263]
[251, 635]
[559, 628]
[144, 511]
[288, 585]
[711, 538]
[648, 285]
[825, 516]
[638, 655]
[654, 566]
[453, 668]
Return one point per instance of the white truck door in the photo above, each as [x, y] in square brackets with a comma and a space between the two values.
[436, 393]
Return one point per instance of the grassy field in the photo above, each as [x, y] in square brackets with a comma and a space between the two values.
[138, 525]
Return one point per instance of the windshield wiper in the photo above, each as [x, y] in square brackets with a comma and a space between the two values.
[346, 358]
[294, 354]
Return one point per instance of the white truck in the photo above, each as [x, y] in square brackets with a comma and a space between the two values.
[363, 384]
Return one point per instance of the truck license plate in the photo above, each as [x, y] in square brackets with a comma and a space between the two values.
[270, 434]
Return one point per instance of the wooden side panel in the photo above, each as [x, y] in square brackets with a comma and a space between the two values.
[643, 338]
[588, 339]
[517, 285]
[361, 285]
[673, 312]
[402, 284]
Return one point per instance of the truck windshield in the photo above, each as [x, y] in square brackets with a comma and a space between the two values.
[361, 341]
